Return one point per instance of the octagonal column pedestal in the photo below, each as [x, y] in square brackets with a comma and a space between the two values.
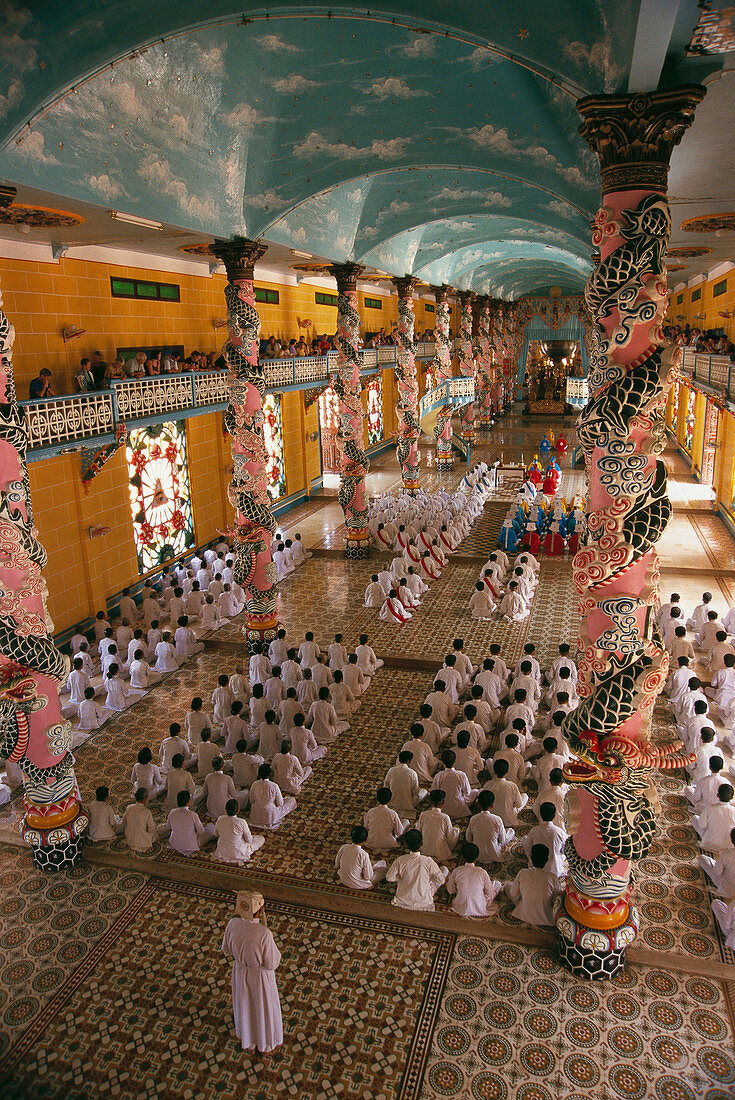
[346, 383]
[485, 417]
[466, 364]
[33, 732]
[254, 525]
[623, 663]
[407, 407]
[442, 369]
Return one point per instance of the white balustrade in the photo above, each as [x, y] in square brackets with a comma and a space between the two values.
[386, 355]
[138, 398]
[578, 391]
[67, 419]
[312, 369]
[278, 372]
[212, 388]
[369, 357]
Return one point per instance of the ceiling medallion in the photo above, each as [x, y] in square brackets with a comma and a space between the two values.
[687, 252]
[709, 223]
[38, 217]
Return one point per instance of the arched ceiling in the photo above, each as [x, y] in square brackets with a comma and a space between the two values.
[426, 138]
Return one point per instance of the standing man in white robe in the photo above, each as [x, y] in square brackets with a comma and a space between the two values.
[255, 1002]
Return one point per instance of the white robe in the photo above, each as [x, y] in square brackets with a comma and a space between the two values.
[235, 842]
[475, 891]
[255, 1002]
[488, 832]
[417, 879]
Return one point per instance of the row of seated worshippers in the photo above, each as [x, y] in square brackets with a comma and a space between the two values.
[288, 554]
[442, 785]
[704, 718]
[510, 593]
[254, 749]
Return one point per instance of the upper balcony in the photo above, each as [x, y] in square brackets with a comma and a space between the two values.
[712, 372]
[57, 424]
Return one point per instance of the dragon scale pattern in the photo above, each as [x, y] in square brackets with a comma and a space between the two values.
[409, 430]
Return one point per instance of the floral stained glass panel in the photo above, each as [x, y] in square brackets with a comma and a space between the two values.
[160, 498]
[273, 435]
[689, 424]
[375, 410]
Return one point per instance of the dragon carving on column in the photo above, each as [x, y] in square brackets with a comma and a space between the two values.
[248, 490]
[346, 383]
[466, 363]
[409, 429]
[623, 663]
[441, 370]
[33, 733]
[484, 362]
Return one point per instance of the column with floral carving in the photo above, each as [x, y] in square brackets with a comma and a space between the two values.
[623, 663]
[442, 370]
[346, 383]
[33, 732]
[484, 362]
[497, 353]
[248, 490]
[407, 408]
[467, 366]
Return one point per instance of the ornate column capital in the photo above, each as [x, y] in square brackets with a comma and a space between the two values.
[7, 195]
[466, 298]
[634, 135]
[239, 255]
[441, 293]
[404, 284]
[346, 276]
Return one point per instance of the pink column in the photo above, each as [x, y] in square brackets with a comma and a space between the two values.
[484, 362]
[33, 733]
[355, 463]
[442, 369]
[248, 490]
[467, 363]
[407, 407]
[623, 663]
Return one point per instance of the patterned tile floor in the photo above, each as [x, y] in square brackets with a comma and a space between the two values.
[94, 961]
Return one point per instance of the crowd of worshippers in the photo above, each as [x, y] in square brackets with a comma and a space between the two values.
[252, 748]
[95, 373]
[451, 801]
[705, 719]
[509, 592]
[709, 341]
[421, 532]
[536, 523]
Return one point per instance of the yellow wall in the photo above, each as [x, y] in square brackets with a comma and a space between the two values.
[709, 307]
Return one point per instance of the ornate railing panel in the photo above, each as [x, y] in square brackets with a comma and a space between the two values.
[56, 420]
[138, 398]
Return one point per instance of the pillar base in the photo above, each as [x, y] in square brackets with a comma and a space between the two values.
[357, 544]
[259, 630]
[410, 487]
[469, 437]
[58, 848]
[593, 953]
[444, 464]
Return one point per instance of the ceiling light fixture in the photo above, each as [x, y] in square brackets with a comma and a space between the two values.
[133, 219]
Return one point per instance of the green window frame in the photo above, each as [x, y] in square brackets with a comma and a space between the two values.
[144, 289]
[373, 303]
[323, 299]
[680, 299]
[267, 297]
[719, 288]
[697, 294]
[429, 307]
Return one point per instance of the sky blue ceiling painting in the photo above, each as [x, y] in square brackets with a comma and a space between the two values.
[447, 148]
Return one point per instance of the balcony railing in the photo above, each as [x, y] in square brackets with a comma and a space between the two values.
[53, 421]
[578, 392]
[715, 371]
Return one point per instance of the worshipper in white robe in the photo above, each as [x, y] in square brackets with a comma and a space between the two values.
[84, 656]
[188, 835]
[104, 824]
[354, 677]
[548, 832]
[722, 869]
[724, 914]
[210, 617]
[172, 745]
[222, 699]
[270, 736]
[417, 877]
[703, 792]
[474, 889]
[91, 714]
[517, 766]
[259, 667]
[118, 696]
[185, 641]
[337, 653]
[467, 758]
[717, 821]
[255, 1003]
[206, 753]
[534, 890]
[268, 807]
[383, 824]
[424, 762]
[288, 771]
[556, 793]
[415, 583]
[76, 684]
[487, 831]
[228, 604]
[393, 611]
[699, 615]
[708, 633]
[147, 774]
[456, 787]
[235, 842]
[323, 721]
[219, 788]
[366, 658]
[482, 604]
[141, 675]
[355, 869]
[439, 835]
[127, 607]
[508, 799]
[245, 763]
[303, 742]
[166, 659]
[722, 691]
[342, 699]
[300, 554]
[138, 825]
[404, 785]
[513, 607]
[178, 779]
[443, 710]
[196, 720]
[309, 651]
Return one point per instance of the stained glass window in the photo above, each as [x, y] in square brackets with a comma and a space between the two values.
[674, 405]
[375, 409]
[160, 499]
[273, 434]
